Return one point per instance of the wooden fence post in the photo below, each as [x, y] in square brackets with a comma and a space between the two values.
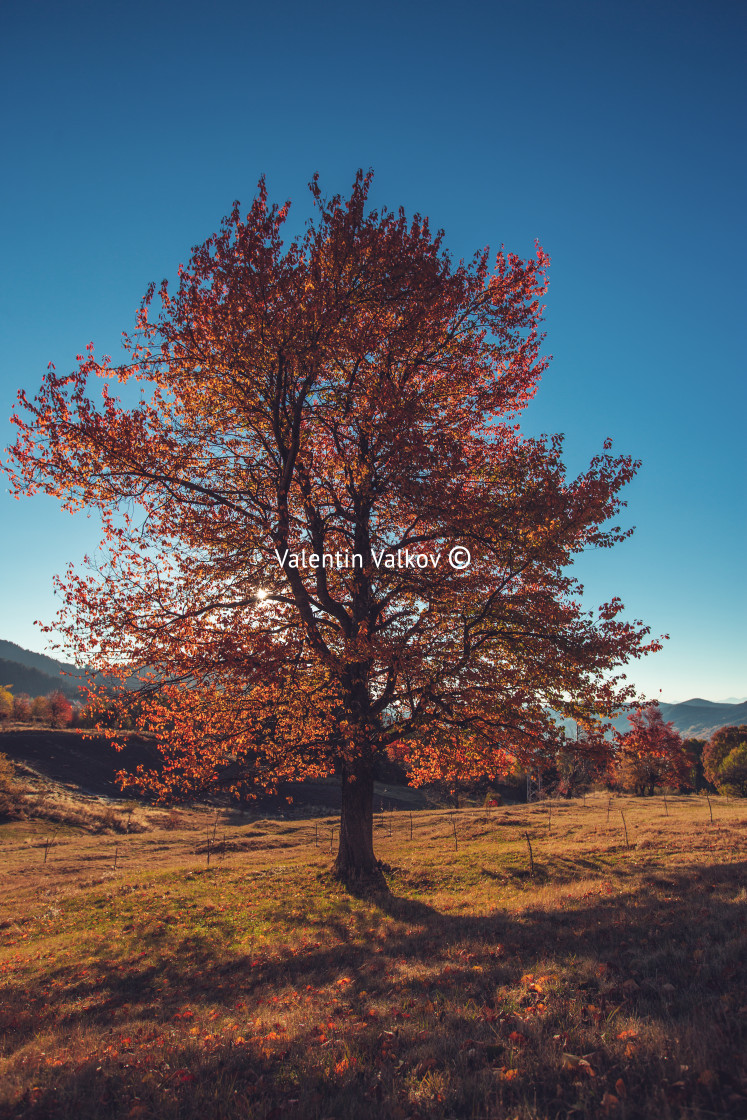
[627, 844]
[531, 856]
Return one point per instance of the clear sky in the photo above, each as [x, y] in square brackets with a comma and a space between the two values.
[612, 132]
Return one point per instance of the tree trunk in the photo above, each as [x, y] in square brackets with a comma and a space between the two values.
[356, 862]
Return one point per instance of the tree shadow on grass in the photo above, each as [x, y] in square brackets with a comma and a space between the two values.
[408, 1011]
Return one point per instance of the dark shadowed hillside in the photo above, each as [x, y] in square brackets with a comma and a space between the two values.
[9, 651]
[88, 765]
[21, 678]
[22, 670]
[77, 761]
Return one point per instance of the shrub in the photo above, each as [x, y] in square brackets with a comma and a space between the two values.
[651, 754]
[6, 704]
[725, 760]
[40, 710]
[22, 708]
[60, 710]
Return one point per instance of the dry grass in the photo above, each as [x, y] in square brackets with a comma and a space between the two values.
[25, 794]
[608, 983]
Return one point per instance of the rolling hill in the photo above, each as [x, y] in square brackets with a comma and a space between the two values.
[694, 719]
[698, 719]
[22, 670]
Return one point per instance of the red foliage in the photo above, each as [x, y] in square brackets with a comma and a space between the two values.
[22, 707]
[60, 710]
[651, 754]
[354, 394]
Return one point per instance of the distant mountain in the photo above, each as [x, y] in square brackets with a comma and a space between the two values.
[9, 651]
[22, 670]
[698, 719]
[20, 678]
[694, 719]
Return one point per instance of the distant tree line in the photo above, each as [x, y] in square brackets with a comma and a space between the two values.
[653, 756]
[56, 709]
[53, 710]
[650, 756]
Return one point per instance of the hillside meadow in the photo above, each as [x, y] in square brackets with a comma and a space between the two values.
[145, 976]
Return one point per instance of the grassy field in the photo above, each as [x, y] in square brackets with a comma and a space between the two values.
[137, 981]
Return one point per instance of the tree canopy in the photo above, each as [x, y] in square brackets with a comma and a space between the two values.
[725, 760]
[320, 425]
[652, 754]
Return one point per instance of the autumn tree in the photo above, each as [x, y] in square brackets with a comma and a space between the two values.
[40, 709]
[22, 707]
[725, 760]
[693, 749]
[6, 704]
[579, 763]
[319, 425]
[60, 709]
[651, 754]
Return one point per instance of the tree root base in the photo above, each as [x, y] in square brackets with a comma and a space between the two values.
[362, 880]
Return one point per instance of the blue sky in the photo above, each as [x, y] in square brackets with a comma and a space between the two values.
[612, 132]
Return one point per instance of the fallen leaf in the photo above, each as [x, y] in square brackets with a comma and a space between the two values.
[424, 1067]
